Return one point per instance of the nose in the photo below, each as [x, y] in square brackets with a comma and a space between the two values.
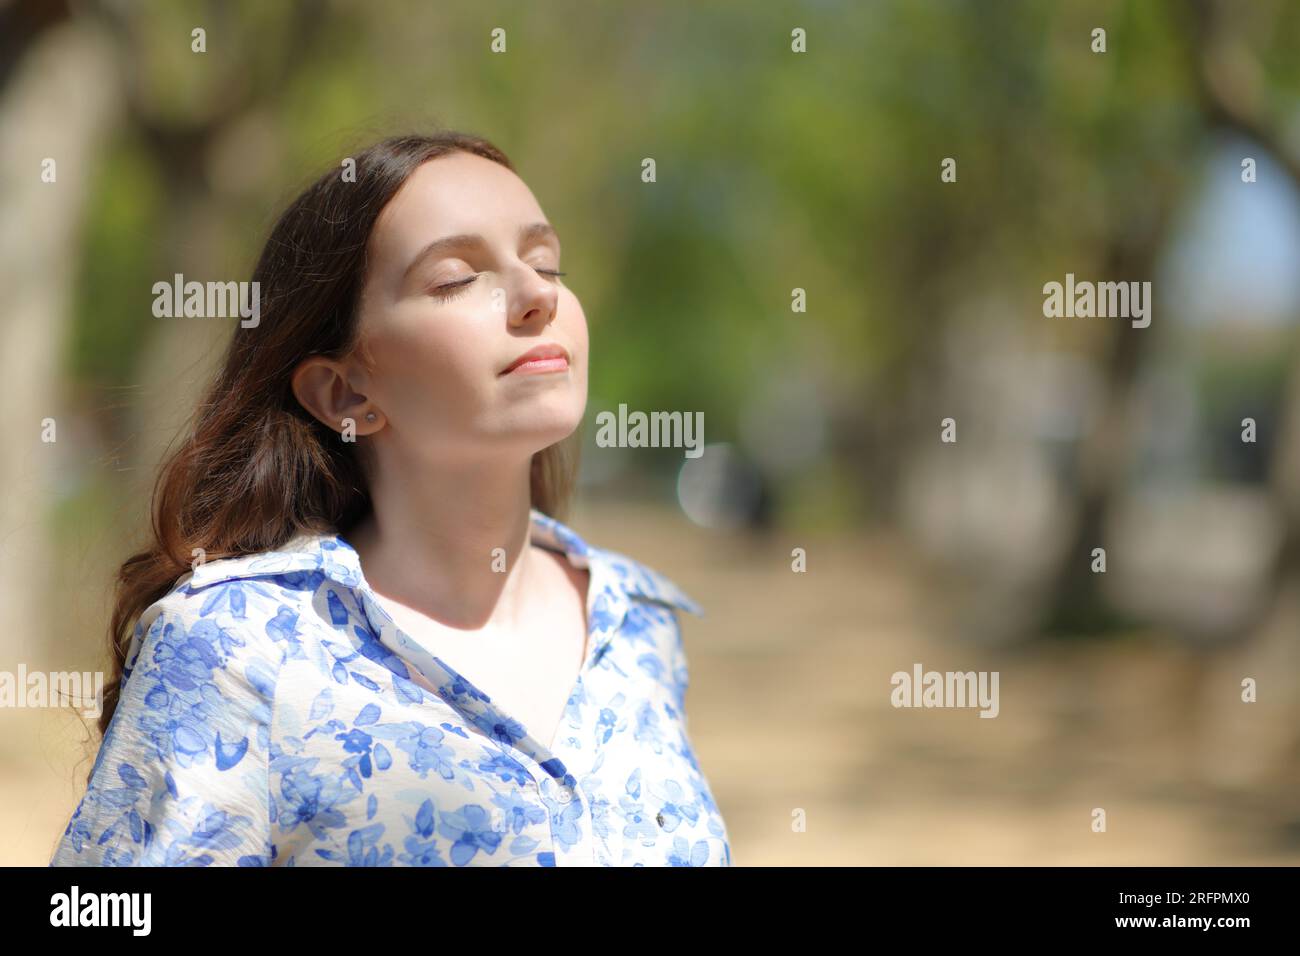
[533, 300]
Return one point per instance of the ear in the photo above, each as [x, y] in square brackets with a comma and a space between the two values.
[322, 387]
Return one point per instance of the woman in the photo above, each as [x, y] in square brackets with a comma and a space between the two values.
[388, 650]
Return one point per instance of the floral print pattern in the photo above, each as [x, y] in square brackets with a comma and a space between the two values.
[273, 714]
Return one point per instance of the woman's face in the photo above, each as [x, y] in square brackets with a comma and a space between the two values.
[460, 286]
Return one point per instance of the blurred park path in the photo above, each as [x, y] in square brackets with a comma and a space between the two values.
[789, 709]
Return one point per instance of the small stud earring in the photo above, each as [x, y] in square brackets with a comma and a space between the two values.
[370, 416]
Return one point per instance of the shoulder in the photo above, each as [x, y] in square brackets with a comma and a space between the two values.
[265, 596]
[306, 557]
[180, 776]
[612, 570]
[226, 636]
[642, 582]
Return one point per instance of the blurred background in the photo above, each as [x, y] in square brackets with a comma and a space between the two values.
[776, 171]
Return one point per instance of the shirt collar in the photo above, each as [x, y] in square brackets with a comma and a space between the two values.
[336, 559]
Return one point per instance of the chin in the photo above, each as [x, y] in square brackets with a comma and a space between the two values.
[542, 419]
[543, 431]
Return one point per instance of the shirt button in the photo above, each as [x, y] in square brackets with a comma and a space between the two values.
[565, 794]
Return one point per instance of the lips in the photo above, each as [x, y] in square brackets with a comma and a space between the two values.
[543, 358]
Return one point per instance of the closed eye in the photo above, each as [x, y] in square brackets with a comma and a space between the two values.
[449, 290]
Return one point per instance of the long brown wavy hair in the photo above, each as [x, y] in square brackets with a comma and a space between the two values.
[254, 468]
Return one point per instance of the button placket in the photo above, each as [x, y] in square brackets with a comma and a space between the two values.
[607, 607]
[565, 794]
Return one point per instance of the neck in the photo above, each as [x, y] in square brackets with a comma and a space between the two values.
[430, 543]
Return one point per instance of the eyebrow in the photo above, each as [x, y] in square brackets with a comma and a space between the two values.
[527, 234]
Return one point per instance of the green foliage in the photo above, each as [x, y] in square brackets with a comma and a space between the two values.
[112, 317]
[775, 170]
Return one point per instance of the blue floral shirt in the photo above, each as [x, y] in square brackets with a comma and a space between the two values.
[273, 714]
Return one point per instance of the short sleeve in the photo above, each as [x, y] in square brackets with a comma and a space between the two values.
[181, 776]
